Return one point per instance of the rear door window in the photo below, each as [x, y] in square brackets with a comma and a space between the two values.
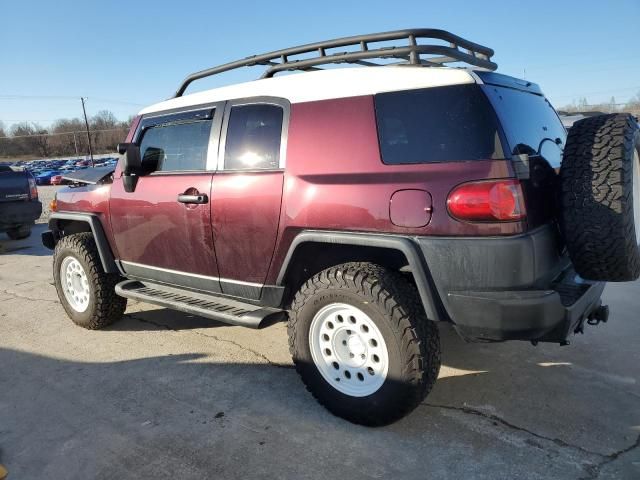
[440, 124]
[253, 137]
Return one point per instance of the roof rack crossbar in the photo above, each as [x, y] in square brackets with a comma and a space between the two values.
[457, 50]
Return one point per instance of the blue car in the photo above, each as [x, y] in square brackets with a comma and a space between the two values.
[44, 178]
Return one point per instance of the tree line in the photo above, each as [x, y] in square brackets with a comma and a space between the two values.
[65, 137]
[582, 105]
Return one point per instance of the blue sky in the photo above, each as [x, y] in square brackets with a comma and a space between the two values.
[123, 55]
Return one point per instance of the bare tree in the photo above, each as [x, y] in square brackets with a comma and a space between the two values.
[31, 138]
[67, 136]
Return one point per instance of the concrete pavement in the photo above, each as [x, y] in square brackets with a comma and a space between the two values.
[162, 394]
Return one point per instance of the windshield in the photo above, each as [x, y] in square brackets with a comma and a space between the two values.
[529, 122]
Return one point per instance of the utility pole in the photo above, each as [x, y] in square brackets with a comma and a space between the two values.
[86, 122]
[75, 143]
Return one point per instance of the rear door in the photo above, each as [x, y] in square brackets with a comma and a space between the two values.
[162, 230]
[532, 128]
[247, 192]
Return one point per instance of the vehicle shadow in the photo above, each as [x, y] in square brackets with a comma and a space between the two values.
[193, 416]
[561, 393]
[28, 246]
[154, 317]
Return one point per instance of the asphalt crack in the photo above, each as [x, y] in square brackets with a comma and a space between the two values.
[594, 470]
[502, 421]
[214, 337]
[15, 295]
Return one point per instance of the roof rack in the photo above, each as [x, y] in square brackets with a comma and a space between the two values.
[458, 50]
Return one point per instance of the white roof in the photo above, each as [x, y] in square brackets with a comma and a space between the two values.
[327, 84]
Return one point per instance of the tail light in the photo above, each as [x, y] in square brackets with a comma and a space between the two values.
[33, 189]
[53, 205]
[487, 201]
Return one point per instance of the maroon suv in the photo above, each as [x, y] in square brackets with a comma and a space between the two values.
[363, 205]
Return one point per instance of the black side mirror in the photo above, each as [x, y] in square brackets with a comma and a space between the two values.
[131, 165]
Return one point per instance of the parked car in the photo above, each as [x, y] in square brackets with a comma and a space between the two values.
[19, 204]
[363, 205]
[44, 178]
[56, 179]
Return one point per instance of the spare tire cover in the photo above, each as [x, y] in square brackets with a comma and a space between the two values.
[600, 197]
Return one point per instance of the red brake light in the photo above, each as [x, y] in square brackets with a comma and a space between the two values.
[487, 201]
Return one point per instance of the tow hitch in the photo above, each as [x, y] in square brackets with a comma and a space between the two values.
[599, 315]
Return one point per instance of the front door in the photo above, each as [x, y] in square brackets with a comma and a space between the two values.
[162, 230]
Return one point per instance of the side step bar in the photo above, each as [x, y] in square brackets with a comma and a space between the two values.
[202, 304]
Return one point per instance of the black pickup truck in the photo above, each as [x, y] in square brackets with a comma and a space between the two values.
[19, 204]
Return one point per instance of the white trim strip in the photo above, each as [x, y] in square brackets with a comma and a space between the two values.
[188, 274]
[326, 84]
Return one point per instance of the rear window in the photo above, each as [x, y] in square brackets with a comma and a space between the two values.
[441, 124]
[529, 122]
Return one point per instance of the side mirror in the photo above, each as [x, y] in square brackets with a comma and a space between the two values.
[131, 165]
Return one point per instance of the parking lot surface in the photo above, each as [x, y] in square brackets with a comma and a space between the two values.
[162, 394]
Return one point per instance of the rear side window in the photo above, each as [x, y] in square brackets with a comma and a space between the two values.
[441, 124]
[176, 147]
[253, 137]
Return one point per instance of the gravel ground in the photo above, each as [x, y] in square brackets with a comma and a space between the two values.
[46, 194]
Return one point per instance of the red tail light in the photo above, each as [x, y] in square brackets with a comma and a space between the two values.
[487, 201]
[33, 189]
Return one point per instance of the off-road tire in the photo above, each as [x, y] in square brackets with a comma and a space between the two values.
[105, 307]
[412, 340]
[19, 233]
[596, 197]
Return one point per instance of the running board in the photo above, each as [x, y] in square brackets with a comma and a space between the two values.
[203, 304]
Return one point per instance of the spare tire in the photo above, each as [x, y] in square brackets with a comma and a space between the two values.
[600, 197]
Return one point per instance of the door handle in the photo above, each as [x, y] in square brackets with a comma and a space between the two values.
[198, 199]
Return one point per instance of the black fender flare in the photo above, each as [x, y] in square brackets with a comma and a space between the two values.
[417, 263]
[104, 249]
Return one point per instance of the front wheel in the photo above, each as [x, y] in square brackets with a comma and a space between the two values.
[362, 344]
[85, 291]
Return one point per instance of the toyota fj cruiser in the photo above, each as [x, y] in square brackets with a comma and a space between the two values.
[363, 205]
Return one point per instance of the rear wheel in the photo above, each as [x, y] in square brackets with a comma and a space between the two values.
[85, 291]
[362, 344]
[18, 233]
[600, 197]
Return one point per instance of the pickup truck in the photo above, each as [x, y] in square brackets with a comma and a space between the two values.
[19, 204]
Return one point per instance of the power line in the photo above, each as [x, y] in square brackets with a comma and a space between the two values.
[66, 133]
[625, 89]
[67, 97]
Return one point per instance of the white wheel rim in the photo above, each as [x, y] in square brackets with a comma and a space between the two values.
[75, 284]
[636, 195]
[348, 350]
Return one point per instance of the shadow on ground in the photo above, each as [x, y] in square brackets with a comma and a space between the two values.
[28, 246]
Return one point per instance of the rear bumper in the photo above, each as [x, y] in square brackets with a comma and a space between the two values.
[509, 288]
[13, 214]
[543, 315]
